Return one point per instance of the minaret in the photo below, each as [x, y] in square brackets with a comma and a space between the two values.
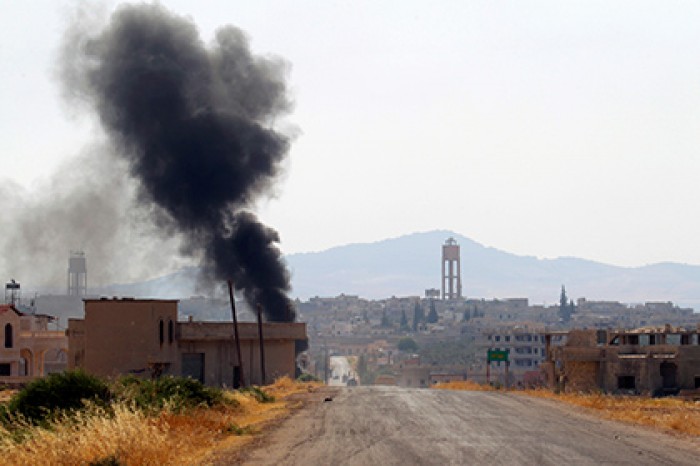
[451, 271]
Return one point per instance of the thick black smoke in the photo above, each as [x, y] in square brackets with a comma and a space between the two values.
[194, 125]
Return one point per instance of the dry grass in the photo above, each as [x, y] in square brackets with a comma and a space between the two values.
[463, 385]
[131, 438]
[672, 414]
[6, 394]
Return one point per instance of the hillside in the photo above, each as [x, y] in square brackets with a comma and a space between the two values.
[409, 264]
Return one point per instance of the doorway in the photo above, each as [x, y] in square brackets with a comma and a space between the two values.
[668, 375]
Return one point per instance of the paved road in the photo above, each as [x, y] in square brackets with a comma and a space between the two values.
[389, 425]
[340, 371]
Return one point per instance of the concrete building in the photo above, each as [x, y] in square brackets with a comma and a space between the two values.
[526, 351]
[144, 337]
[652, 361]
[29, 348]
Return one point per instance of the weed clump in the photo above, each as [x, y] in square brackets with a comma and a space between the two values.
[306, 377]
[259, 394]
[57, 394]
[174, 393]
[235, 429]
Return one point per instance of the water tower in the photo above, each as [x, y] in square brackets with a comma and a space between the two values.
[451, 272]
[12, 292]
[77, 274]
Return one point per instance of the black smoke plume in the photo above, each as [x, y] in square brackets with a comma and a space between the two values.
[194, 124]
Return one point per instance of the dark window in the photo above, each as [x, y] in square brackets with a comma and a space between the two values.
[633, 339]
[697, 381]
[161, 332]
[626, 382]
[171, 332]
[685, 339]
[5, 369]
[193, 366]
[652, 339]
[8, 336]
[236, 377]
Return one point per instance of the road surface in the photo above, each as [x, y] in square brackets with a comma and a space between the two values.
[341, 371]
[390, 425]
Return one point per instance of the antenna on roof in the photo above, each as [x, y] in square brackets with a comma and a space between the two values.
[12, 292]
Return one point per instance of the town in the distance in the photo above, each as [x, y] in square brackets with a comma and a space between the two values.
[651, 348]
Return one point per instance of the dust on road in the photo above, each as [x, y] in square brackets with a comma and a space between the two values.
[391, 425]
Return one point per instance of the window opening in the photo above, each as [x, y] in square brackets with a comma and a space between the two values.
[8, 336]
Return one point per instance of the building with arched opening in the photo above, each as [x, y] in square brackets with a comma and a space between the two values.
[29, 349]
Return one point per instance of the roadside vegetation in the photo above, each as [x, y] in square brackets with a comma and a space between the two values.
[670, 413]
[464, 385]
[74, 418]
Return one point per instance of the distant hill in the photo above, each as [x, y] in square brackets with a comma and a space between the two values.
[407, 265]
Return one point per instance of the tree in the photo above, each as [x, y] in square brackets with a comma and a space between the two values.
[564, 308]
[418, 316]
[404, 320]
[385, 320]
[407, 345]
[362, 365]
[432, 315]
[475, 313]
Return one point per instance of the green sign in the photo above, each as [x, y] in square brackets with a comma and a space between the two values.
[497, 355]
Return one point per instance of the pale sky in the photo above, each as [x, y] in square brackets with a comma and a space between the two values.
[544, 128]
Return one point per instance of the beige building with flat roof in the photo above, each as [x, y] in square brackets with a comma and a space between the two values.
[143, 337]
[29, 349]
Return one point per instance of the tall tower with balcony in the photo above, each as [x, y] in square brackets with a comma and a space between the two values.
[451, 270]
[77, 274]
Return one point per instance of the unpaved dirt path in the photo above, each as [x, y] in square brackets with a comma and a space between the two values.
[390, 425]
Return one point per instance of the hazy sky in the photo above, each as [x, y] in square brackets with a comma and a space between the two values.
[546, 128]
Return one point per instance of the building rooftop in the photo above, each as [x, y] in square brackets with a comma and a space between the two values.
[130, 299]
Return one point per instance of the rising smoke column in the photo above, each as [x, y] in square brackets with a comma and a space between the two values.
[193, 124]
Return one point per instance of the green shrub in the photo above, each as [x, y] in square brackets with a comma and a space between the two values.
[259, 394]
[237, 430]
[106, 461]
[177, 393]
[308, 378]
[58, 393]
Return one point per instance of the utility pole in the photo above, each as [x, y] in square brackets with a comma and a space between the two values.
[262, 344]
[235, 333]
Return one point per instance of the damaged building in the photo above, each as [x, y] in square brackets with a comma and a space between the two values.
[29, 349]
[145, 338]
[651, 361]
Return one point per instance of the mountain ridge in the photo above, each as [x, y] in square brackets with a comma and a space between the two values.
[407, 265]
[487, 272]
